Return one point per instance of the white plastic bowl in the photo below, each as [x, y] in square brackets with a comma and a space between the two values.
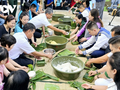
[31, 74]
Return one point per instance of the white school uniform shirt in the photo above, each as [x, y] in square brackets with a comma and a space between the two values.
[112, 86]
[21, 45]
[85, 13]
[102, 42]
[40, 20]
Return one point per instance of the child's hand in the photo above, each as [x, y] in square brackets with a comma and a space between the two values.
[77, 50]
[80, 52]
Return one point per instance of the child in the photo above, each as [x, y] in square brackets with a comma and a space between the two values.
[99, 40]
[113, 71]
[84, 12]
[99, 62]
[3, 70]
[33, 10]
[80, 20]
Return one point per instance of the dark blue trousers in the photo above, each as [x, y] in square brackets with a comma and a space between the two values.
[23, 61]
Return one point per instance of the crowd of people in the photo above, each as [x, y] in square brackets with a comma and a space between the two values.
[102, 45]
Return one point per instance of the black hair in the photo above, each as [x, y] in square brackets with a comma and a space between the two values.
[9, 18]
[21, 16]
[114, 62]
[91, 25]
[3, 53]
[80, 5]
[33, 6]
[80, 16]
[7, 39]
[95, 14]
[116, 29]
[17, 80]
[26, 6]
[114, 40]
[28, 26]
[87, 2]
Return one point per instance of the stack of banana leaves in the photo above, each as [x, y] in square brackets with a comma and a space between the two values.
[77, 85]
[39, 47]
[88, 78]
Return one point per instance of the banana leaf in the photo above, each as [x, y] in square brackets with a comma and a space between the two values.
[76, 84]
[88, 78]
[39, 47]
[66, 52]
[75, 43]
[51, 87]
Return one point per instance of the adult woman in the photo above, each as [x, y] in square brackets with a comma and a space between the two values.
[18, 80]
[8, 25]
[112, 71]
[80, 20]
[93, 16]
[24, 18]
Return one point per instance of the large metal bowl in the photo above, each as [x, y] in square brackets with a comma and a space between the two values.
[67, 75]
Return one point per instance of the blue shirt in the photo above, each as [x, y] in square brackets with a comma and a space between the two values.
[99, 0]
[49, 1]
[17, 28]
[58, 2]
[37, 5]
[30, 15]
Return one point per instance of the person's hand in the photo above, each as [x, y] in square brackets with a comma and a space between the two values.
[37, 57]
[91, 73]
[83, 39]
[49, 55]
[46, 36]
[80, 52]
[77, 50]
[64, 32]
[35, 44]
[88, 64]
[23, 67]
[26, 69]
[86, 86]
[75, 39]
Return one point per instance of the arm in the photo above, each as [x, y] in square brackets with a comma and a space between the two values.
[49, 4]
[14, 63]
[76, 29]
[98, 60]
[2, 16]
[43, 30]
[88, 43]
[6, 72]
[99, 43]
[95, 87]
[11, 67]
[82, 30]
[56, 29]
[39, 54]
